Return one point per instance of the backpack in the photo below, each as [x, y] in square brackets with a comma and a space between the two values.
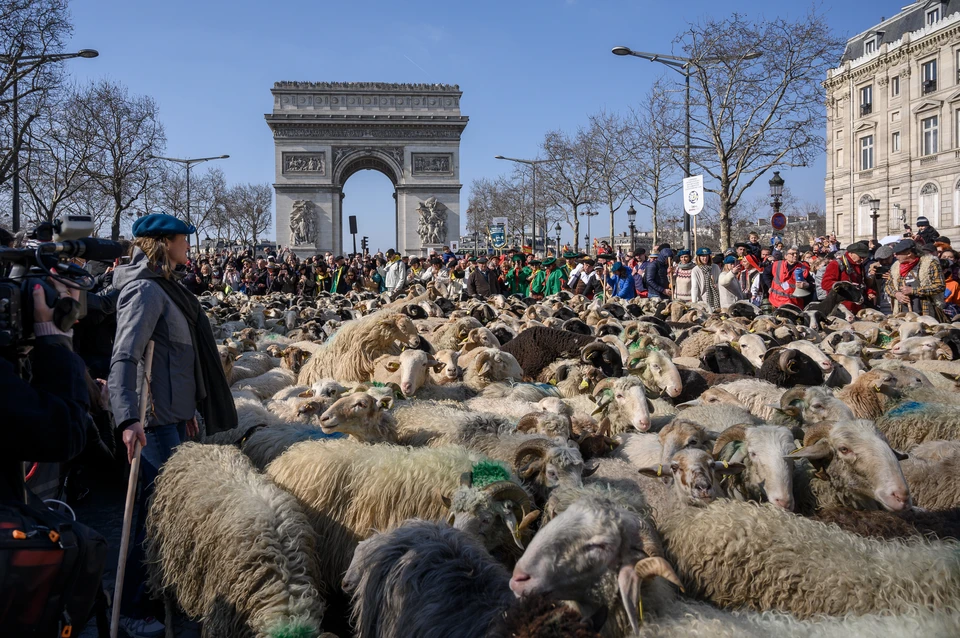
[50, 570]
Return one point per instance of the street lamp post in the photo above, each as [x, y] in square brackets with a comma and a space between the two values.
[37, 60]
[533, 164]
[189, 163]
[558, 229]
[632, 219]
[874, 215]
[589, 215]
[776, 191]
[683, 66]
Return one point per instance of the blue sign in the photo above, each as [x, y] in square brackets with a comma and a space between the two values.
[778, 221]
[498, 236]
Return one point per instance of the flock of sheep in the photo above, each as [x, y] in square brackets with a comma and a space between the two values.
[423, 467]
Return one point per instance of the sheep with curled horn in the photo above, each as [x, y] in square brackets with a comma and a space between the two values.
[544, 465]
[786, 368]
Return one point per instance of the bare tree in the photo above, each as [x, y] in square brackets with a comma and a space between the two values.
[250, 206]
[614, 154]
[127, 134]
[757, 114]
[59, 150]
[570, 179]
[29, 30]
[654, 127]
[208, 196]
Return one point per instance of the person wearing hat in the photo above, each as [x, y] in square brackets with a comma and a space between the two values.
[484, 281]
[926, 234]
[682, 277]
[619, 282]
[849, 267]
[556, 276]
[187, 376]
[728, 283]
[790, 280]
[877, 274]
[703, 279]
[394, 273]
[657, 275]
[916, 281]
[538, 279]
[517, 278]
[586, 281]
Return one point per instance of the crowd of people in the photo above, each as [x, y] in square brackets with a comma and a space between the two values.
[926, 277]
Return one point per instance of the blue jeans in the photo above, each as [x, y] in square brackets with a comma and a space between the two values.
[160, 443]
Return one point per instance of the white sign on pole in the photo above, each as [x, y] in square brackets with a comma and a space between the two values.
[500, 221]
[454, 245]
[693, 194]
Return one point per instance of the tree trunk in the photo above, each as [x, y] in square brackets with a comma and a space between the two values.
[611, 225]
[115, 224]
[654, 213]
[725, 235]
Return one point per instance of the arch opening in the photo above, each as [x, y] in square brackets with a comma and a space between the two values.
[371, 195]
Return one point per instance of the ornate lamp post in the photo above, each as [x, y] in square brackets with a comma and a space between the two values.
[188, 163]
[632, 220]
[776, 191]
[874, 215]
[558, 229]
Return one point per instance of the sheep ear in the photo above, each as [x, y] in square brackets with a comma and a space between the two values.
[590, 467]
[307, 394]
[393, 366]
[446, 501]
[385, 403]
[819, 450]
[901, 456]
[656, 472]
[439, 367]
[725, 468]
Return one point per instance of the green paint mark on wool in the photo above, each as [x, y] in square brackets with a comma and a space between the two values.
[293, 631]
[487, 472]
[378, 384]
[884, 340]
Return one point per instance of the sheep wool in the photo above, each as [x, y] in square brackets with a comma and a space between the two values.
[256, 576]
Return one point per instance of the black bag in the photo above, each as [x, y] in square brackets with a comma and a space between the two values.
[50, 570]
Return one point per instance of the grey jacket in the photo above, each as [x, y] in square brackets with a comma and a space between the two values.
[145, 312]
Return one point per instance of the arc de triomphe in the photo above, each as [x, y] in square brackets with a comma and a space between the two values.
[324, 132]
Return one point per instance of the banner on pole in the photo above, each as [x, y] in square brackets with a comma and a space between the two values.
[693, 194]
[454, 246]
[498, 234]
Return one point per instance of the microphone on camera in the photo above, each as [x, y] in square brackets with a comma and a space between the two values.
[87, 248]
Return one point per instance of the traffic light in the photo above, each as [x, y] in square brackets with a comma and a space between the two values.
[364, 243]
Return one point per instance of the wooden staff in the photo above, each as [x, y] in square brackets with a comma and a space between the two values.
[131, 491]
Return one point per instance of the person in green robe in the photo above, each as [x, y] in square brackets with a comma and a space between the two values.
[555, 277]
[538, 281]
[518, 277]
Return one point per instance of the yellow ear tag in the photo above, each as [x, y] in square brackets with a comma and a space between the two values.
[553, 382]
[726, 465]
[640, 609]
[596, 412]
[797, 450]
[660, 470]
[584, 384]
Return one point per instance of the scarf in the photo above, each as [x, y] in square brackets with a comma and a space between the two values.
[214, 400]
[711, 293]
[907, 266]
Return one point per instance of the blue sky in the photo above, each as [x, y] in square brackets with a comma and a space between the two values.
[525, 67]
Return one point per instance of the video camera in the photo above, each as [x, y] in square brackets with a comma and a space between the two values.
[53, 245]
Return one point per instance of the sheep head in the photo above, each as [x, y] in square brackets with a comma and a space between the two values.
[356, 414]
[592, 537]
[478, 338]
[410, 370]
[549, 424]
[681, 434]
[714, 396]
[763, 450]
[658, 370]
[490, 511]
[447, 369]
[694, 474]
[603, 356]
[629, 397]
[854, 455]
[293, 359]
[491, 365]
[548, 464]
[399, 327]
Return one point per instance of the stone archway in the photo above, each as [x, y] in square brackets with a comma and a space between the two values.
[324, 132]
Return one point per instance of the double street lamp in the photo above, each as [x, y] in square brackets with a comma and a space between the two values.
[533, 164]
[589, 214]
[684, 66]
[35, 61]
[189, 163]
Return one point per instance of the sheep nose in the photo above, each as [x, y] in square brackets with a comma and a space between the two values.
[519, 582]
[406, 388]
[901, 498]
[785, 503]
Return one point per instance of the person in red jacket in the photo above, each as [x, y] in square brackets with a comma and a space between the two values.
[848, 267]
[791, 282]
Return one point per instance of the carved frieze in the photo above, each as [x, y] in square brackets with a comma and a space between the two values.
[281, 131]
[432, 163]
[303, 223]
[342, 153]
[367, 86]
[432, 226]
[306, 163]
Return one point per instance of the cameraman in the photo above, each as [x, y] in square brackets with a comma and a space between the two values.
[48, 415]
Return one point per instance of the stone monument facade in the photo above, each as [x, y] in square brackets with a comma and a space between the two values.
[324, 132]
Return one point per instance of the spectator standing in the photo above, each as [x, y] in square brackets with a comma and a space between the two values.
[656, 276]
[538, 279]
[728, 283]
[916, 281]
[926, 234]
[518, 277]
[682, 277]
[703, 280]
[586, 282]
[849, 267]
[395, 272]
[620, 282]
[790, 281]
[483, 282]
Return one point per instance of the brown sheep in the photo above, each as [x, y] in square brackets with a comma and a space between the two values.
[361, 416]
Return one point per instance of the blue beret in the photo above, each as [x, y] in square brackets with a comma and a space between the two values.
[161, 225]
[703, 250]
[729, 259]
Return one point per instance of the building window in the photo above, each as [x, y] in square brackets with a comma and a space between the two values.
[869, 46]
[839, 158]
[866, 100]
[930, 203]
[895, 116]
[930, 128]
[866, 153]
[895, 142]
[840, 136]
[895, 86]
[929, 69]
[933, 16]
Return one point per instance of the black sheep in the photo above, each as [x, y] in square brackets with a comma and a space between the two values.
[725, 359]
[537, 347]
[414, 311]
[577, 326]
[841, 291]
[503, 334]
[787, 368]
[951, 337]
[695, 382]
[603, 356]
